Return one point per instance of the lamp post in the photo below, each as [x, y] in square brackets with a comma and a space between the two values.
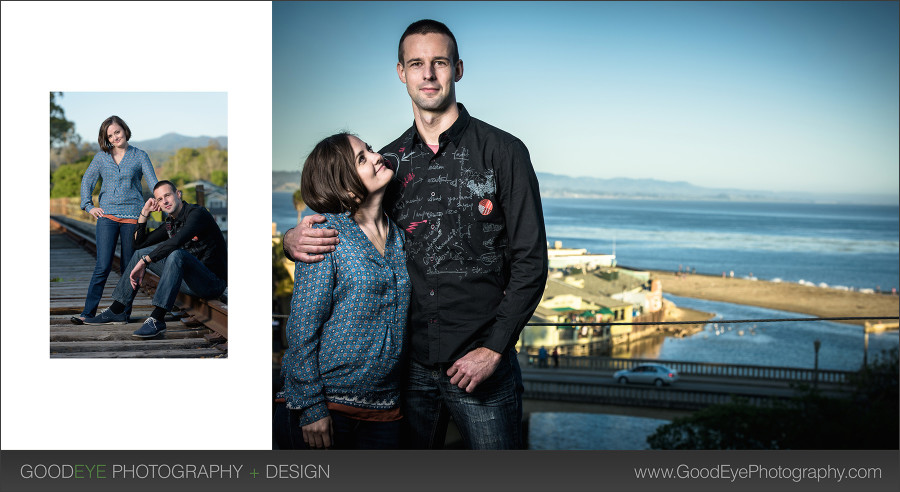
[816, 344]
[866, 345]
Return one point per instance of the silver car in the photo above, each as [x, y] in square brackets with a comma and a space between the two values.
[657, 374]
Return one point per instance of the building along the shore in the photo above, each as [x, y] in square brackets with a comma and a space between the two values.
[583, 292]
[561, 258]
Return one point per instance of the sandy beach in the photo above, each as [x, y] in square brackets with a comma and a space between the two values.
[783, 296]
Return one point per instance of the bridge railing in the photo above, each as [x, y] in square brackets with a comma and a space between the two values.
[634, 395]
[596, 363]
[777, 373]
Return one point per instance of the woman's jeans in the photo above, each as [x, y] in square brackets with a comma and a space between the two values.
[107, 235]
[348, 433]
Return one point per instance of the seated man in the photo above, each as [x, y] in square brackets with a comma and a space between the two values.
[188, 247]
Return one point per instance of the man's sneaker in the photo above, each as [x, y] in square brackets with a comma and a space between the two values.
[107, 317]
[150, 328]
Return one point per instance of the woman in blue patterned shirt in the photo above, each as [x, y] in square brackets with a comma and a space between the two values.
[121, 166]
[346, 330]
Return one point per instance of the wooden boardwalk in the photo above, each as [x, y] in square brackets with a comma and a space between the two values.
[71, 267]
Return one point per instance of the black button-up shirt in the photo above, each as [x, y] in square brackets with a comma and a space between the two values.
[476, 245]
[195, 230]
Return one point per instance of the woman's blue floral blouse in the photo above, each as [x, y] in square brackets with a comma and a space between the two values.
[346, 331]
[120, 193]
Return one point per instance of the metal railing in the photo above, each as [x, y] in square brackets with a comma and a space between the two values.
[772, 373]
[615, 394]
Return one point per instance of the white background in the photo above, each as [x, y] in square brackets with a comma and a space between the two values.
[135, 404]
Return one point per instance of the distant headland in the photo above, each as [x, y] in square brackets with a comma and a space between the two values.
[561, 186]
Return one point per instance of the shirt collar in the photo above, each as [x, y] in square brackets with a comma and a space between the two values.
[182, 213]
[127, 151]
[453, 134]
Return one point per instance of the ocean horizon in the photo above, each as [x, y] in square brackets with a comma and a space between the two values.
[852, 247]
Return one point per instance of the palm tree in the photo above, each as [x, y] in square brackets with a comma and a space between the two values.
[298, 204]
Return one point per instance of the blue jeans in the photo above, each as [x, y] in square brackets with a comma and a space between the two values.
[178, 271]
[488, 418]
[348, 433]
[107, 235]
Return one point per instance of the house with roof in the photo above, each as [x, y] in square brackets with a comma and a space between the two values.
[215, 199]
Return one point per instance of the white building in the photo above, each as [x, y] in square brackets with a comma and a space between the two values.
[567, 257]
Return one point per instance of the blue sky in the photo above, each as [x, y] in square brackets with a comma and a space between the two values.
[149, 114]
[771, 96]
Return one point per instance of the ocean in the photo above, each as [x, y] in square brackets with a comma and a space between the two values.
[841, 246]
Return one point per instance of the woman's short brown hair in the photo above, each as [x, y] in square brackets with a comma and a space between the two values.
[329, 177]
[103, 140]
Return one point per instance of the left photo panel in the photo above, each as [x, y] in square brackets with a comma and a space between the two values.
[138, 225]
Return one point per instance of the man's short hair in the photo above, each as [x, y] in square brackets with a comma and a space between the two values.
[103, 138]
[164, 182]
[427, 26]
[329, 177]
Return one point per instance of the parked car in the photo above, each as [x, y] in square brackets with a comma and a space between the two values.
[657, 374]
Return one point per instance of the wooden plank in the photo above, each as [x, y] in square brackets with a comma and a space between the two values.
[110, 335]
[78, 296]
[203, 353]
[73, 309]
[214, 337]
[133, 325]
[140, 301]
[134, 344]
[76, 289]
[137, 316]
[71, 269]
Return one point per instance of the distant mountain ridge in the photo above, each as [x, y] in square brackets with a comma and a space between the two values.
[561, 186]
[171, 142]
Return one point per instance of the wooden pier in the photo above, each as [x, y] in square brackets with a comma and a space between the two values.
[71, 267]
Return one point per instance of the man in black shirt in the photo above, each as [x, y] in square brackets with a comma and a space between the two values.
[467, 196]
[188, 247]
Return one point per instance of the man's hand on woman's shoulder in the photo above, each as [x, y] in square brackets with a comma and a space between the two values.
[308, 244]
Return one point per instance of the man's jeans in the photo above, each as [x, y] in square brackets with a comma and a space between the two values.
[179, 270]
[107, 235]
[488, 418]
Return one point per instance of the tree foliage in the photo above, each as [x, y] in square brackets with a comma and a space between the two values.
[66, 179]
[186, 165]
[69, 152]
[61, 129]
[868, 419]
[219, 178]
[282, 285]
[191, 164]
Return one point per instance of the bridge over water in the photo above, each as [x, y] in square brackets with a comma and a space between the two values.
[589, 380]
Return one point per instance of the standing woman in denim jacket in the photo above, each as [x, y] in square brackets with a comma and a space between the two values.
[346, 331]
[121, 166]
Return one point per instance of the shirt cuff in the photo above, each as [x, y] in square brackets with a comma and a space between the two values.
[314, 413]
[497, 343]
